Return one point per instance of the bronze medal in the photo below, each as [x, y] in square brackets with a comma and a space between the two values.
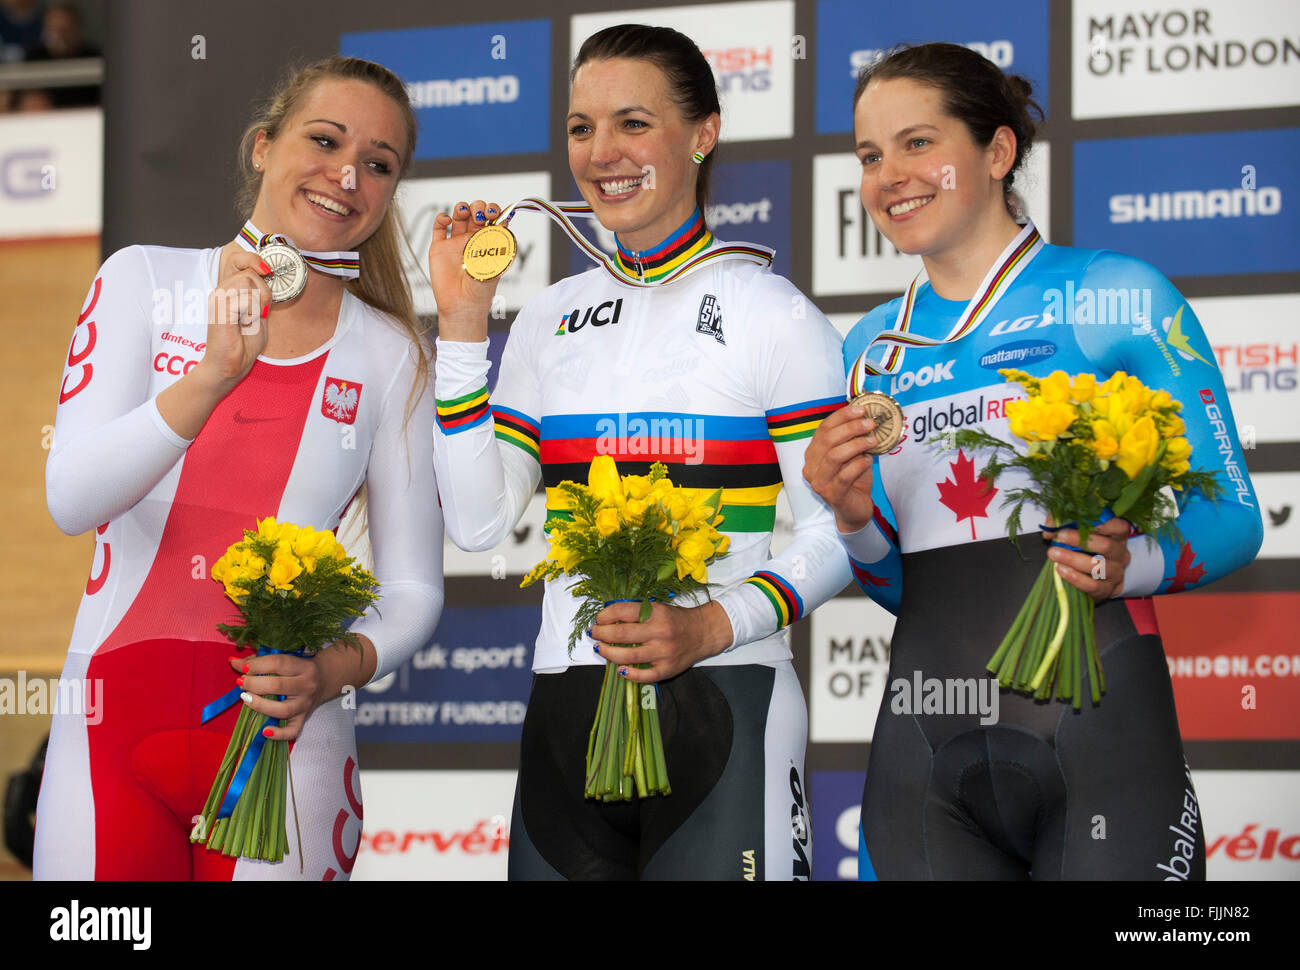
[288, 274]
[887, 414]
[489, 252]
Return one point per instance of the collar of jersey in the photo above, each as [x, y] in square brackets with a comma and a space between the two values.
[689, 239]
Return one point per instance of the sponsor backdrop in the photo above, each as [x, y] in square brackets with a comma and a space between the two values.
[1172, 134]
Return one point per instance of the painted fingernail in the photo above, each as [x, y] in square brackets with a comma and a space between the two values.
[267, 732]
[245, 668]
[492, 209]
[463, 208]
[245, 697]
[239, 681]
[479, 217]
[266, 311]
[622, 671]
[263, 268]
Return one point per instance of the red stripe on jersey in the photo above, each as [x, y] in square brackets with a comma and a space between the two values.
[669, 450]
[1142, 611]
[234, 473]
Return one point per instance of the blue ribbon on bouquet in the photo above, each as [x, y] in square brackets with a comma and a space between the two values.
[249, 761]
[1106, 516]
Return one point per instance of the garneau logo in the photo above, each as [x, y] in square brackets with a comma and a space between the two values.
[465, 90]
[1224, 440]
[75, 924]
[1195, 204]
[597, 316]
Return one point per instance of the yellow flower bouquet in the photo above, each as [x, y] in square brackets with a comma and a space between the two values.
[639, 538]
[297, 590]
[1096, 450]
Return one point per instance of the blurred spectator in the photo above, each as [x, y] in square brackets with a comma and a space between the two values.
[60, 38]
[20, 27]
[34, 99]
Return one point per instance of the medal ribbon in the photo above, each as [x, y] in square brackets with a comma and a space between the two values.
[1018, 254]
[249, 761]
[561, 211]
[346, 265]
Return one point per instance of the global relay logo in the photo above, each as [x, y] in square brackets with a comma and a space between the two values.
[490, 83]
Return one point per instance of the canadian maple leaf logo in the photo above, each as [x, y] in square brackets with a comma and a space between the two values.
[965, 494]
[865, 577]
[1187, 572]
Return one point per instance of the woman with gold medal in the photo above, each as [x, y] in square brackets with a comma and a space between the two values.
[678, 332]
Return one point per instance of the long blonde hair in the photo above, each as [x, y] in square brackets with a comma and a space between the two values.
[382, 283]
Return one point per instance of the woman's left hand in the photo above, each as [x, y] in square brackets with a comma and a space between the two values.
[672, 639]
[305, 683]
[1099, 573]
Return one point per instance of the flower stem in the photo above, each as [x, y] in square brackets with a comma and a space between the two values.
[1059, 635]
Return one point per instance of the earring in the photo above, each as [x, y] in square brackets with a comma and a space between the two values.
[698, 158]
[257, 167]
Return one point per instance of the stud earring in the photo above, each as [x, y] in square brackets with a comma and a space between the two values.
[698, 158]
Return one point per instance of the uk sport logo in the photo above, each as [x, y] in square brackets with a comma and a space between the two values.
[340, 400]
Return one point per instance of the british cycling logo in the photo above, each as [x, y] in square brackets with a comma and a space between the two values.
[741, 68]
[52, 695]
[600, 315]
[340, 399]
[709, 321]
[75, 923]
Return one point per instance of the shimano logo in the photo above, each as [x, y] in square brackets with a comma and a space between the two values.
[1000, 52]
[1196, 204]
[464, 90]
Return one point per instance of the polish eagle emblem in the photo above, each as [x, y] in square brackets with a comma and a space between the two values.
[340, 400]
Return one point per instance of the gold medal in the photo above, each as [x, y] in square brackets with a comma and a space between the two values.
[885, 411]
[288, 274]
[489, 252]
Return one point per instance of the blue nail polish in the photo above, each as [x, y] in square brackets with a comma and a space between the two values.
[463, 208]
[479, 217]
[596, 649]
[622, 671]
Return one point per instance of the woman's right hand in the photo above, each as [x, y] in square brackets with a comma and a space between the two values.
[237, 312]
[463, 302]
[838, 466]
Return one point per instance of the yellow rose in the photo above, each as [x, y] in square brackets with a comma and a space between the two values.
[1055, 387]
[1137, 448]
[1161, 400]
[250, 564]
[607, 522]
[1083, 388]
[636, 486]
[603, 481]
[691, 554]
[1173, 427]
[235, 593]
[1038, 420]
[635, 510]
[284, 570]
[221, 567]
[563, 556]
[1177, 451]
[1105, 442]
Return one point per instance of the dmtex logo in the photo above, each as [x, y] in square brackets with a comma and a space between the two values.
[489, 82]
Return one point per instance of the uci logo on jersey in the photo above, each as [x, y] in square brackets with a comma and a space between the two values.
[597, 316]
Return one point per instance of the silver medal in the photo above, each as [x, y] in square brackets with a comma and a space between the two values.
[288, 270]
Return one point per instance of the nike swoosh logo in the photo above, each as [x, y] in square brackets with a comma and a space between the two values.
[1179, 340]
[240, 419]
